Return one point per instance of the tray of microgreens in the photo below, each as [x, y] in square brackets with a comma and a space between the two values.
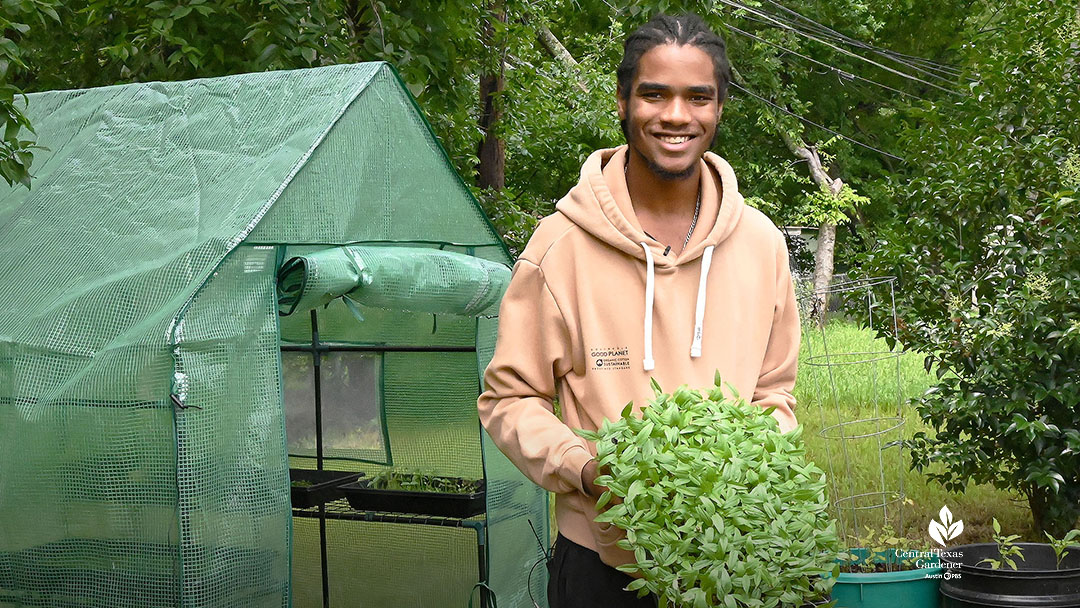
[417, 492]
[719, 507]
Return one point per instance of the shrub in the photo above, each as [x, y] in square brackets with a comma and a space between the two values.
[986, 250]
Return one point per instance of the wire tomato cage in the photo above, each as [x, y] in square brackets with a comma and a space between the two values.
[856, 386]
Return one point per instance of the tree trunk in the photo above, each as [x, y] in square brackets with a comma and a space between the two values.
[491, 151]
[823, 256]
[1053, 513]
[823, 269]
[1037, 502]
[826, 246]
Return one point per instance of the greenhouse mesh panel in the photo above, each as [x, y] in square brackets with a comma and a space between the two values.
[140, 192]
[338, 325]
[81, 284]
[430, 401]
[232, 467]
[384, 565]
[95, 521]
[516, 557]
[431, 418]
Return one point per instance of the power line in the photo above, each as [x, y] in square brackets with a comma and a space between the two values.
[833, 46]
[774, 21]
[812, 123]
[826, 31]
[838, 71]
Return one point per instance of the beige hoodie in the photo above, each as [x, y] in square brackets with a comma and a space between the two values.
[595, 309]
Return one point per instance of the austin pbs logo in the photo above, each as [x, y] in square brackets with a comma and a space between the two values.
[946, 529]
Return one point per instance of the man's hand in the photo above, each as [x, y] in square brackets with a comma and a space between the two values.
[588, 480]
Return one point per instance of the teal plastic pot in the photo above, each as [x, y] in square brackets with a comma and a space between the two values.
[900, 589]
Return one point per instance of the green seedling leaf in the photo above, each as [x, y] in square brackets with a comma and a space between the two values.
[605, 498]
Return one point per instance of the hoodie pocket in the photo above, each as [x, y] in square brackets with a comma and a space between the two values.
[605, 535]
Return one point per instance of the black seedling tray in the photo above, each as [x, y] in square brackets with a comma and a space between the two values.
[462, 506]
[325, 486]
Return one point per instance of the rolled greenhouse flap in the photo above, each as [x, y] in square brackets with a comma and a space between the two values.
[397, 278]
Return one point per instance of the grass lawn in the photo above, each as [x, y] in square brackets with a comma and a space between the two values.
[867, 381]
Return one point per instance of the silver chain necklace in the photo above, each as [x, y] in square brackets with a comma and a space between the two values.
[693, 222]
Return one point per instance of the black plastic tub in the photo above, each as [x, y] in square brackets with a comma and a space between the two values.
[322, 486]
[462, 506]
[1037, 581]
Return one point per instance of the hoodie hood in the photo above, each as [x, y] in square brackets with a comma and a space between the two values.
[600, 205]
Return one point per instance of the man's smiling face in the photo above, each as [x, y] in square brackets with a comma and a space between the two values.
[672, 109]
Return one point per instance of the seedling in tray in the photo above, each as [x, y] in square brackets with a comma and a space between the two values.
[312, 488]
[419, 493]
[422, 482]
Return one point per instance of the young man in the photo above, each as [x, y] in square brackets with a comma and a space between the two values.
[651, 267]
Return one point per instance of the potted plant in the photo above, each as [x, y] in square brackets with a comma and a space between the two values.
[882, 573]
[719, 507]
[1007, 573]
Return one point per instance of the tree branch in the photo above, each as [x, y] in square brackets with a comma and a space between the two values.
[553, 46]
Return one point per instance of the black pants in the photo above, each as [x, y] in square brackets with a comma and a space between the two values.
[580, 580]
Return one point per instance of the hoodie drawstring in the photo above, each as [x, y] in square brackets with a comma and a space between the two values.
[650, 278]
[699, 312]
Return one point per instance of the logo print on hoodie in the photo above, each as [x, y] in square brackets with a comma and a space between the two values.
[612, 357]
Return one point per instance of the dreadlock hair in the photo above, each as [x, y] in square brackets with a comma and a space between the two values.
[687, 29]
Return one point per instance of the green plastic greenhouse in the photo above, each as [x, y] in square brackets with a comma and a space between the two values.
[218, 295]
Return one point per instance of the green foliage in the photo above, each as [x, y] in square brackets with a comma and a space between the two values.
[514, 215]
[880, 549]
[1060, 545]
[824, 207]
[989, 264]
[1070, 171]
[817, 205]
[16, 153]
[719, 507]
[1006, 549]
[554, 115]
